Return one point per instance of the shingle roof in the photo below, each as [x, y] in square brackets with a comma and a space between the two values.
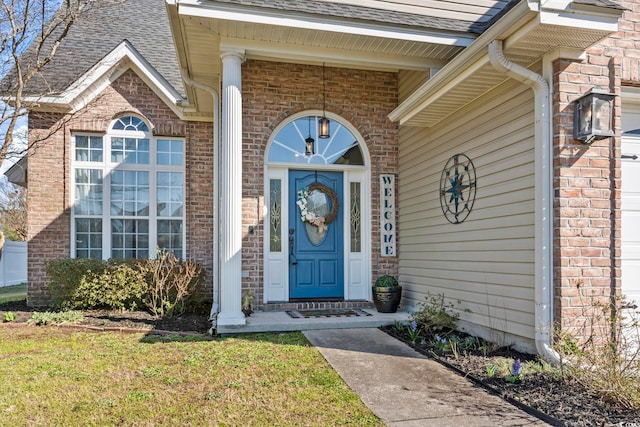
[359, 13]
[609, 4]
[144, 23]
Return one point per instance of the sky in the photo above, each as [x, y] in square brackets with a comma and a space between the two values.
[19, 133]
[6, 63]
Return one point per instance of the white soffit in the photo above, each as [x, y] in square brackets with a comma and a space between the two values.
[197, 48]
[307, 22]
[470, 75]
[306, 38]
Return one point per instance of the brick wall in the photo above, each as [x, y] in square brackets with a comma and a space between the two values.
[587, 178]
[271, 93]
[274, 91]
[49, 175]
[47, 199]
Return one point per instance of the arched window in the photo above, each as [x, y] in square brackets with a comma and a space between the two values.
[290, 144]
[128, 192]
[132, 123]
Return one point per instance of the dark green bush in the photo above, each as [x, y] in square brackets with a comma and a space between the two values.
[166, 285]
[65, 275]
[386, 281]
[119, 286]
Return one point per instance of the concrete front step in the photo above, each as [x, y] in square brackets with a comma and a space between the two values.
[279, 321]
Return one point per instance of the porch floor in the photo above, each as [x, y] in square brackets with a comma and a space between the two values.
[279, 321]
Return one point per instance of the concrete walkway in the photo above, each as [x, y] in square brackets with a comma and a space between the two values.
[404, 388]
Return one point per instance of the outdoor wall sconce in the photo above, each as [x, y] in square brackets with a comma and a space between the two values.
[593, 116]
[323, 122]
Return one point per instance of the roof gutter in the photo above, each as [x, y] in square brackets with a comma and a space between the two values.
[543, 201]
[215, 307]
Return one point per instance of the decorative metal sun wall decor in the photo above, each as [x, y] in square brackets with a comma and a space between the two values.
[458, 188]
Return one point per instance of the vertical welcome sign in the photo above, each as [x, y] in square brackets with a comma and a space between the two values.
[387, 215]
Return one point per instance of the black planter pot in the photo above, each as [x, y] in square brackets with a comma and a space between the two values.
[387, 300]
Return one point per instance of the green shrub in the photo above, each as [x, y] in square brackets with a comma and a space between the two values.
[51, 318]
[436, 315]
[65, 275]
[166, 285]
[120, 287]
[386, 281]
[9, 316]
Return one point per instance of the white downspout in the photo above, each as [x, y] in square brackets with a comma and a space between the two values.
[543, 200]
[215, 308]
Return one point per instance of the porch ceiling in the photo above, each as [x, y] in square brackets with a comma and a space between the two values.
[201, 29]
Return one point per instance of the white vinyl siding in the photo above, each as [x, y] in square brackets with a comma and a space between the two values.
[486, 262]
[409, 81]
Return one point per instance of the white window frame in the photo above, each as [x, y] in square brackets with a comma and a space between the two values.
[108, 167]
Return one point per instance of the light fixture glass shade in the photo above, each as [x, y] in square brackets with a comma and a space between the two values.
[593, 116]
[323, 128]
[309, 147]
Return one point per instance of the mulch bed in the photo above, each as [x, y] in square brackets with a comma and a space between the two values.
[129, 321]
[558, 402]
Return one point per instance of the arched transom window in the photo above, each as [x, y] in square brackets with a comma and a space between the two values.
[291, 144]
[132, 123]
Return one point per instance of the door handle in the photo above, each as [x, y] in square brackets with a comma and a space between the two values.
[292, 257]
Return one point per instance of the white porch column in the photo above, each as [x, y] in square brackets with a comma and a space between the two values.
[231, 192]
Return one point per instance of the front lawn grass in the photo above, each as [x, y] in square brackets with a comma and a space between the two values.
[13, 293]
[52, 376]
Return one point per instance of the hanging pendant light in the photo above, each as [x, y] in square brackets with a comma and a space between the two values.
[309, 142]
[323, 122]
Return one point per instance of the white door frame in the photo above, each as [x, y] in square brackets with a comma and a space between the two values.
[357, 265]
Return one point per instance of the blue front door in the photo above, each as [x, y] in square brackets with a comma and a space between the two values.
[316, 262]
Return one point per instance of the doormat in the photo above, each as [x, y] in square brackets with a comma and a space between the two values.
[335, 312]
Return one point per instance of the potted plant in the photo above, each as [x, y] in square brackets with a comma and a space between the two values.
[386, 294]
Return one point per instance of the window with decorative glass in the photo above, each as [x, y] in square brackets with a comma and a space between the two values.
[128, 192]
[275, 215]
[289, 145]
[355, 217]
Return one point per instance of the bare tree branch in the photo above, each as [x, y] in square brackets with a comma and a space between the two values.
[31, 32]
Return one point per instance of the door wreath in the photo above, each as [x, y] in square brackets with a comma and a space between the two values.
[308, 215]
